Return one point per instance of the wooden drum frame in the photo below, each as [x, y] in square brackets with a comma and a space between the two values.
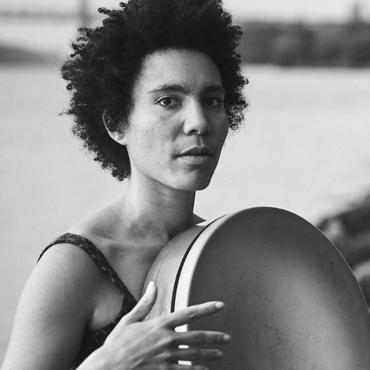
[291, 301]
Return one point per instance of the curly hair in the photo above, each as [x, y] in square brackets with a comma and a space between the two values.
[107, 59]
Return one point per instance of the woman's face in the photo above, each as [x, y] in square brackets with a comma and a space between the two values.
[178, 124]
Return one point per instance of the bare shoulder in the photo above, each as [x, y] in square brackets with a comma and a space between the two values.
[66, 266]
[60, 282]
[54, 310]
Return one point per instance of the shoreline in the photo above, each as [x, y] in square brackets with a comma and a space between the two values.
[11, 54]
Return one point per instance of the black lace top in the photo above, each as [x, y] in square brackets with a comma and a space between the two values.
[94, 339]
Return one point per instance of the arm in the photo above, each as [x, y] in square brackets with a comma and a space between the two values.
[54, 309]
[56, 306]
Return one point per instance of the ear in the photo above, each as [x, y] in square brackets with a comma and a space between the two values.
[117, 136]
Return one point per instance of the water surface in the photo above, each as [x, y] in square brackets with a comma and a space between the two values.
[303, 147]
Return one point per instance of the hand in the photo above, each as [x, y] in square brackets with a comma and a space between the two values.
[135, 344]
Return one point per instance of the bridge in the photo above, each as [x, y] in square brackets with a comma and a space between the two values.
[20, 12]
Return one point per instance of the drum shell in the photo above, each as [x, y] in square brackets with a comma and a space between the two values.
[291, 301]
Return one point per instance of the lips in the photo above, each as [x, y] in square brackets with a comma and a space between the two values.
[196, 156]
[196, 151]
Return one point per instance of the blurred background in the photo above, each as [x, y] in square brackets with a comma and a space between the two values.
[304, 145]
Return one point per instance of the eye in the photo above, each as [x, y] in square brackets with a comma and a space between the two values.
[214, 102]
[168, 102]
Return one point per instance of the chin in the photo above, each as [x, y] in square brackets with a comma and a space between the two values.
[194, 184]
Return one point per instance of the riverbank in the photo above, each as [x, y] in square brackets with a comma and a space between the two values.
[10, 54]
[349, 230]
[306, 44]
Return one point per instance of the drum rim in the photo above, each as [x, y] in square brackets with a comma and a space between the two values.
[185, 256]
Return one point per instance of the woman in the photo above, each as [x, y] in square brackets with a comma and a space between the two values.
[155, 90]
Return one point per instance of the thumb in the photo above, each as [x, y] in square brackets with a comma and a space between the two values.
[145, 304]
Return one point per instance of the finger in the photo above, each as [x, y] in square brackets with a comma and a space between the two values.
[192, 313]
[143, 307]
[163, 366]
[199, 337]
[190, 354]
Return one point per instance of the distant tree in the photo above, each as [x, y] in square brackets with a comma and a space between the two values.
[345, 44]
[294, 46]
[328, 48]
[356, 13]
[357, 49]
[257, 43]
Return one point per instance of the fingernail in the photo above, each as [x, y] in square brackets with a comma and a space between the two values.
[219, 305]
[226, 337]
[219, 354]
[150, 285]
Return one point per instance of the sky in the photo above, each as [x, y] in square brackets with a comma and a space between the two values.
[282, 9]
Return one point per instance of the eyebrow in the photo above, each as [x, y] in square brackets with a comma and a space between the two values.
[184, 89]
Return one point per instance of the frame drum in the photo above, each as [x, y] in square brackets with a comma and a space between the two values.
[291, 301]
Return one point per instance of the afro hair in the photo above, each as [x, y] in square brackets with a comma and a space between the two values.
[107, 59]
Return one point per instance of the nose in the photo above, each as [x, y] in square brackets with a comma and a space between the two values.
[196, 120]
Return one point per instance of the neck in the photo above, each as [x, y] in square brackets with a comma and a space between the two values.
[155, 212]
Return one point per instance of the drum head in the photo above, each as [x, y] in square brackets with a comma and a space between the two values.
[291, 301]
